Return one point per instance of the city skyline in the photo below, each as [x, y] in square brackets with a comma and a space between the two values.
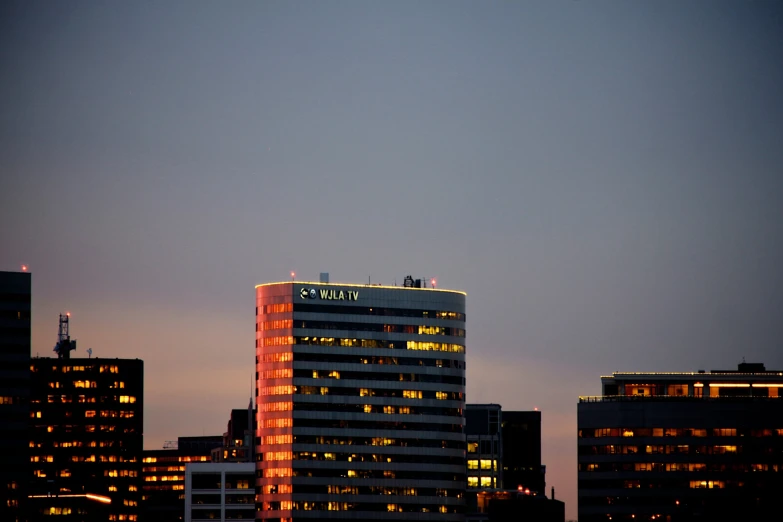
[602, 179]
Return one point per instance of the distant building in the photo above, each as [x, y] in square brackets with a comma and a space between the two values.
[15, 308]
[504, 449]
[361, 392]
[163, 476]
[239, 438]
[86, 441]
[485, 446]
[522, 466]
[220, 491]
[682, 446]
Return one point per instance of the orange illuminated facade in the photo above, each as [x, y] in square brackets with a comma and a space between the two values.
[360, 395]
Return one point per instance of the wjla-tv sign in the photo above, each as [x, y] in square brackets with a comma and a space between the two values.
[329, 295]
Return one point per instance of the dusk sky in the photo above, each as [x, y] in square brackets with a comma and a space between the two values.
[604, 180]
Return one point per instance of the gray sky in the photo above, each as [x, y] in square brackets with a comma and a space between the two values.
[602, 178]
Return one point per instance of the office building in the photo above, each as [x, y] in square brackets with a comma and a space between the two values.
[163, 476]
[504, 449]
[219, 491]
[682, 446]
[485, 446]
[86, 443]
[360, 394]
[238, 439]
[15, 307]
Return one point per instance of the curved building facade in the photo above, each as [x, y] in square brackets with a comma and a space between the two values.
[361, 396]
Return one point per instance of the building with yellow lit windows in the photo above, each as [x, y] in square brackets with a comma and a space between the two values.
[682, 446]
[163, 476]
[360, 396]
[504, 449]
[86, 434]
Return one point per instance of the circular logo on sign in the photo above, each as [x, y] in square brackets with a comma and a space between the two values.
[312, 293]
[303, 293]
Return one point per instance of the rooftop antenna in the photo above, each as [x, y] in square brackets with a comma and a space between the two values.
[89, 353]
[64, 344]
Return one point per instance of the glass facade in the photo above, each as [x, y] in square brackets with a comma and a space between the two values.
[361, 396]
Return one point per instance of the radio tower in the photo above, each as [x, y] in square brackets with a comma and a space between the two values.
[64, 344]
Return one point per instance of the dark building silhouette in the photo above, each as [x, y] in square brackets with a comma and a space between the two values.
[360, 393]
[163, 476]
[522, 451]
[682, 446]
[86, 442]
[514, 506]
[15, 308]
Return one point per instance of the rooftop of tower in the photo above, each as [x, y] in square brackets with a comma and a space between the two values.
[356, 285]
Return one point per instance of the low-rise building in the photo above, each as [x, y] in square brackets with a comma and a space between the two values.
[219, 491]
[163, 476]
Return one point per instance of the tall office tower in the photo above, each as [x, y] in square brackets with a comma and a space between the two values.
[361, 392]
[15, 300]
[163, 476]
[86, 438]
[682, 446]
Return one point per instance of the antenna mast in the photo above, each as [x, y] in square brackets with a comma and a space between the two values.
[64, 344]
